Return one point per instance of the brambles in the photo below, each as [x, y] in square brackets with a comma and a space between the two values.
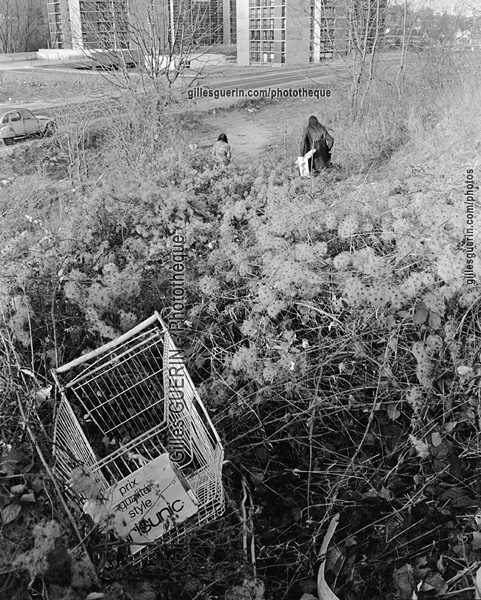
[328, 328]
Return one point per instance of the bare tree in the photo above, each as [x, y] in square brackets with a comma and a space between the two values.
[78, 126]
[408, 26]
[23, 26]
[365, 27]
[158, 37]
[353, 30]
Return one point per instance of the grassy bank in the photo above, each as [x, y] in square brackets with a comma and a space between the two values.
[332, 336]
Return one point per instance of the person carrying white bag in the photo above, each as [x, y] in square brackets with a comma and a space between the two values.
[316, 145]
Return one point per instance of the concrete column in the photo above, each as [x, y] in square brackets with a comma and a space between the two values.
[242, 14]
[226, 22]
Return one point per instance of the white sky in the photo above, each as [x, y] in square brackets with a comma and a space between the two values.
[451, 5]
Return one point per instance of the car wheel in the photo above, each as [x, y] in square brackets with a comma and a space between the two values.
[8, 141]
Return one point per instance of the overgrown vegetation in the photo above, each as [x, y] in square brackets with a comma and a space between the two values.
[332, 337]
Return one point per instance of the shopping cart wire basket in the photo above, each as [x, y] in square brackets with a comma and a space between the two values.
[133, 441]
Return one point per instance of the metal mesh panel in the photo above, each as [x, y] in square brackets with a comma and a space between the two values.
[125, 404]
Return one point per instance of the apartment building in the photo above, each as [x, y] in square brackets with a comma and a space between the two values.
[277, 32]
[59, 23]
[230, 22]
[207, 21]
[107, 24]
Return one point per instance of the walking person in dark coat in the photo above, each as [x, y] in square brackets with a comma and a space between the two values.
[221, 150]
[317, 137]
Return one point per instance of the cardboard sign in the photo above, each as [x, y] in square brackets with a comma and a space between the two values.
[146, 504]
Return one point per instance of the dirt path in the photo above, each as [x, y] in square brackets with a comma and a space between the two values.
[248, 137]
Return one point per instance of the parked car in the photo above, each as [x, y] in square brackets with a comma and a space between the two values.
[21, 123]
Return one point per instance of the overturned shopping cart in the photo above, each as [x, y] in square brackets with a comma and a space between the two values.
[133, 441]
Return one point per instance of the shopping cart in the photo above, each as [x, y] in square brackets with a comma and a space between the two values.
[133, 441]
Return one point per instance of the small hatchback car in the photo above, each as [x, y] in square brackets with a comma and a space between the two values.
[20, 123]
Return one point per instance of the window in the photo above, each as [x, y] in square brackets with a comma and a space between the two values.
[271, 11]
[283, 57]
[15, 116]
[265, 24]
[283, 46]
[271, 23]
[271, 46]
[272, 56]
[283, 11]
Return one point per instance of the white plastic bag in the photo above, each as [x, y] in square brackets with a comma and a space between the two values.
[303, 163]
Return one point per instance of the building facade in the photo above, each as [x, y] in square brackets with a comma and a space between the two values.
[59, 23]
[277, 32]
[207, 21]
[230, 22]
[114, 24]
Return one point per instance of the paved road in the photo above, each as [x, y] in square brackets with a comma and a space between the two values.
[272, 77]
[20, 65]
[325, 74]
[265, 77]
[259, 77]
[50, 107]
